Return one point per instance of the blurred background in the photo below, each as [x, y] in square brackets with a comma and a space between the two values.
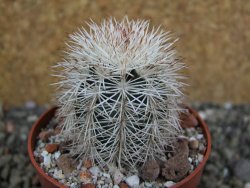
[214, 41]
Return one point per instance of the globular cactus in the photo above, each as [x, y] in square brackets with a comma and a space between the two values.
[119, 93]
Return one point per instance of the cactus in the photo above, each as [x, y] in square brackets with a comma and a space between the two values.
[119, 93]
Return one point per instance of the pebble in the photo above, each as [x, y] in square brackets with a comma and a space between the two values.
[200, 157]
[9, 126]
[203, 115]
[150, 170]
[44, 135]
[188, 120]
[87, 163]
[57, 154]
[193, 143]
[123, 185]
[58, 174]
[88, 185]
[117, 176]
[51, 148]
[46, 159]
[85, 177]
[133, 181]
[169, 184]
[116, 186]
[66, 163]
[32, 118]
[30, 105]
[95, 170]
[247, 185]
[147, 184]
[242, 169]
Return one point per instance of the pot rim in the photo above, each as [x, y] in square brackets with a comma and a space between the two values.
[57, 183]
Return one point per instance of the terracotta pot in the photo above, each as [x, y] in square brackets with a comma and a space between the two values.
[191, 181]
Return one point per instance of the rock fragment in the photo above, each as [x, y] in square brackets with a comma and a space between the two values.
[150, 170]
[66, 163]
[51, 148]
[133, 181]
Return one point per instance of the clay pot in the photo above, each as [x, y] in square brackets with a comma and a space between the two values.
[191, 181]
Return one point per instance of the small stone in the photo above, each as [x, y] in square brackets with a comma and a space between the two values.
[150, 170]
[190, 159]
[133, 181]
[106, 175]
[30, 105]
[117, 176]
[116, 186]
[5, 172]
[32, 118]
[46, 159]
[200, 157]
[87, 163]
[176, 167]
[35, 180]
[199, 136]
[58, 174]
[203, 115]
[51, 148]
[9, 126]
[85, 177]
[188, 120]
[66, 163]
[147, 184]
[57, 154]
[242, 169]
[202, 148]
[44, 135]
[94, 170]
[193, 143]
[101, 182]
[57, 130]
[123, 185]
[168, 184]
[247, 185]
[88, 185]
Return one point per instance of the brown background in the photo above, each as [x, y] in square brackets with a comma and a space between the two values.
[214, 42]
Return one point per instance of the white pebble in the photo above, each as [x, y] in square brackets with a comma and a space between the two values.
[133, 181]
[115, 186]
[190, 159]
[46, 159]
[44, 153]
[117, 176]
[32, 118]
[169, 184]
[106, 175]
[203, 115]
[147, 184]
[94, 170]
[192, 138]
[57, 154]
[199, 136]
[101, 182]
[200, 157]
[58, 174]
[247, 185]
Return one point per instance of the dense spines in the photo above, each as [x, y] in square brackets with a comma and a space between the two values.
[119, 93]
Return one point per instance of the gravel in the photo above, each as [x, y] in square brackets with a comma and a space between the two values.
[229, 125]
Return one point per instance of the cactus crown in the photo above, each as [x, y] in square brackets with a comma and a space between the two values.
[119, 91]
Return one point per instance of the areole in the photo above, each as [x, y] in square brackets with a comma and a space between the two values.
[191, 181]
